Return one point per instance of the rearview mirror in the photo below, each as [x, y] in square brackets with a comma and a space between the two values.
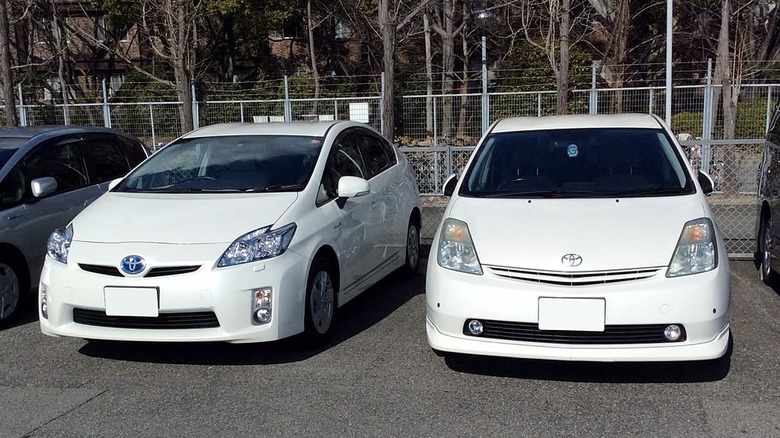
[352, 186]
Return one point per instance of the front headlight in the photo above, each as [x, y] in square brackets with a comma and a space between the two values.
[58, 245]
[258, 245]
[697, 249]
[456, 249]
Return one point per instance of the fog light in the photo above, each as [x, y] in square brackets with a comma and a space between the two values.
[262, 305]
[475, 327]
[263, 316]
[44, 301]
[672, 332]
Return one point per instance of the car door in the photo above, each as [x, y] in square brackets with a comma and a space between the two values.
[59, 159]
[107, 157]
[355, 245]
[386, 227]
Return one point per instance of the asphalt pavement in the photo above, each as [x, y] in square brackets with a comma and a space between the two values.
[378, 377]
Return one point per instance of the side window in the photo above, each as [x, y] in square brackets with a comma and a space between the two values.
[133, 151]
[12, 188]
[376, 155]
[60, 161]
[344, 160]
[104, 159]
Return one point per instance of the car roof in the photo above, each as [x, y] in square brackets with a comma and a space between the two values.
[577, 121]
[309, 129]
[32, 131]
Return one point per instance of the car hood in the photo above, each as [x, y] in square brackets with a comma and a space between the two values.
[178, 218]
[607, 233]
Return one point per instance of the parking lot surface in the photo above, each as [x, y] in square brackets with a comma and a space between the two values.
[378, 377]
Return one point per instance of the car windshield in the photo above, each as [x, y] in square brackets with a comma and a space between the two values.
[251, 163]
[576, 163]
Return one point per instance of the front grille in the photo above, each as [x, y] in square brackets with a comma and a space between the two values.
[612, 334]
[171, 270]
[102, 270]
[191, 320]
[560, 278]
[154, 272]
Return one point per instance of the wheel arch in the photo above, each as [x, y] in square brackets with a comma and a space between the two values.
[19, 261]
[329, 254]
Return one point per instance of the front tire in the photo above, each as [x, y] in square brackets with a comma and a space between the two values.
[320, 302]
[10, 289]
[765, 270]
[412, 258]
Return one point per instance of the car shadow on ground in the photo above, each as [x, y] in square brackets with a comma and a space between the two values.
[595, 372]
[363, 312]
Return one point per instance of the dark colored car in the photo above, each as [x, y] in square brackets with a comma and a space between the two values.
[768, 226]
[48, 174]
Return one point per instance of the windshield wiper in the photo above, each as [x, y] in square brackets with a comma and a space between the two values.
[277, 188]
[658, 191]
[205, 190]
[544, 194]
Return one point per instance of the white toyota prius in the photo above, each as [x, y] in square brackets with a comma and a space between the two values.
[584, 238]
[237, 233]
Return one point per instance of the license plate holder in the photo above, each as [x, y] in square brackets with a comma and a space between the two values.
[572, 314]
[132, 301]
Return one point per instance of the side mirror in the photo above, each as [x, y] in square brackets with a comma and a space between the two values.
[352, 186]
[449, 184]
[43, 186]
[114, 183]
[706, 182]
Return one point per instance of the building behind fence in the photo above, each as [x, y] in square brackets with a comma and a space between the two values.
[438, 132]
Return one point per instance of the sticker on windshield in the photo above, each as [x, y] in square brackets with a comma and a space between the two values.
[572, 150]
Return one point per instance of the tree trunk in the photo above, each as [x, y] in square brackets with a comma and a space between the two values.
[312, 55]
[563, 71]
[59, 45]
[428, 78]
[620, 48]
[729, 173]
[464, 81]
[448, 65]
[5, 68]
[180, 68]
[388, 64]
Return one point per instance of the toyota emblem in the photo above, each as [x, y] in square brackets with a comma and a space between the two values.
[571, 260]
[133, 264]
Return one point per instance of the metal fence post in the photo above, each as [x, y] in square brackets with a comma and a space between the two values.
[22, 111]
[768, 109]
[151, 122]
[435, 125]
[382, 104]
[287, 103]
[594, 97]
[241, 108]
[195, 112]
[706, 130]
[650, 103]
[538, 104]
[106, 109]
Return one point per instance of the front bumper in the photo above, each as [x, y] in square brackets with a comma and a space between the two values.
[700, 303]
[227, 292]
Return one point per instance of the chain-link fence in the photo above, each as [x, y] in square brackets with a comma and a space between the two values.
[438, 132]
[734, 169]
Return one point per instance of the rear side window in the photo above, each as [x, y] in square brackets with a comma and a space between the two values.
[104, 160]
[134, 151]
[376, 154]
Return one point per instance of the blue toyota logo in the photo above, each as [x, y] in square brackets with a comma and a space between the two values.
[133, 264]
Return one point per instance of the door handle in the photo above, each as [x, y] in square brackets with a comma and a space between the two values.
[15, 216]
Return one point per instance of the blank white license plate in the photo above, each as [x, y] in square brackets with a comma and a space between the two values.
[574, 314]
[131, 301]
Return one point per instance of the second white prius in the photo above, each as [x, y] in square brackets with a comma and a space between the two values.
[579, 238]
[238, 233]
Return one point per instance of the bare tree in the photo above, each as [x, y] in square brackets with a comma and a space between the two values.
[5, 68]
[547, 25]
